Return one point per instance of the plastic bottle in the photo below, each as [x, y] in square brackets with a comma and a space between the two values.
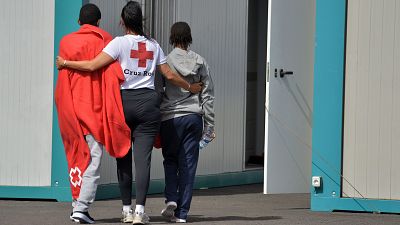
[208, 136]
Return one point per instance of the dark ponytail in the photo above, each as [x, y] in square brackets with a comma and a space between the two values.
[133, 18]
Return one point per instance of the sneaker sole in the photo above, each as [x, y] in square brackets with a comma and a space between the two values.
[169, 211]
[81, 218]
[177, 220]
[73, 220]
[130, 220]
[139, 220]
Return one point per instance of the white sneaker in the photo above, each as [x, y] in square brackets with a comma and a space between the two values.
[177, 220]
[169, 210]
[127, 217]
[140, 218]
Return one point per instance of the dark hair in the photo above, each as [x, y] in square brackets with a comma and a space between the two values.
[89, 14]
[133, 18]
[180, 35]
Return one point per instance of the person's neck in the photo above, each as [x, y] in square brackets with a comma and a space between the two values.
[85, 24]
[131, 32]
[181, 47]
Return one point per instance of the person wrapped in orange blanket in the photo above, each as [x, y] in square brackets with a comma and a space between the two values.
[89, 108]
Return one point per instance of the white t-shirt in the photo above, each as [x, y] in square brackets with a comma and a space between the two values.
[138, 57]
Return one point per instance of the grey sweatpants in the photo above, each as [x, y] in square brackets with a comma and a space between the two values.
[90, 178]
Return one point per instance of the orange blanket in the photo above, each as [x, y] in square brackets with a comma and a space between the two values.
[89, 103]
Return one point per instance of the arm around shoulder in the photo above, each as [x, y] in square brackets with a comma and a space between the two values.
[177, 80]
[101, 60]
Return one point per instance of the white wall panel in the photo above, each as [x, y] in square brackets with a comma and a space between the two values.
[395, 156]
[387, 99]
[26, 98]
[372, 106]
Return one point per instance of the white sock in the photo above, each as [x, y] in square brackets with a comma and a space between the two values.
[139, 209]
[126, 208]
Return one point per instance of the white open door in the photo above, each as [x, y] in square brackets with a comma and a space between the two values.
[289, 101]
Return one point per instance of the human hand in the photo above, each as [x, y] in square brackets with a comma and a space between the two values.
[60, 62]
[195, 87]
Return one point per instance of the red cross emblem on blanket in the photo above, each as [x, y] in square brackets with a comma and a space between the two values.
[75, 176]
[142, 54]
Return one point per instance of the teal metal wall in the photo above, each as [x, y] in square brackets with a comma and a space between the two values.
[66, 21]
[328, 114]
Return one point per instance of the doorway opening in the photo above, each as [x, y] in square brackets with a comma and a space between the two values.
[256, 83]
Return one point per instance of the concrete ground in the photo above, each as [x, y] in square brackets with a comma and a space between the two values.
[227, 206]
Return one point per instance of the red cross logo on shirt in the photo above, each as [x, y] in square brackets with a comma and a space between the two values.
[142, 54]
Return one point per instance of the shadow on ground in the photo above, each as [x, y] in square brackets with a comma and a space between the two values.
[223, 191]
[201, 218]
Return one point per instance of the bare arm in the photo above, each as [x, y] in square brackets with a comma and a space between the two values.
[177, 80]
[101, 60]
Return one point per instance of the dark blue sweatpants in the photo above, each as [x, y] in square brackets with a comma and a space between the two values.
[180, 140]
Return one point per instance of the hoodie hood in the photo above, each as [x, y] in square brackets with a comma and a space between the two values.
[185, 62]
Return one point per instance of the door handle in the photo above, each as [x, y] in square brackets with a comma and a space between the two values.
[282, 73]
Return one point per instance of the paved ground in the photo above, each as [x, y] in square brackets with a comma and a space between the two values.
[227, 206]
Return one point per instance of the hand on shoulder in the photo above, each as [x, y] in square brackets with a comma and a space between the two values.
[195, 87]
[60, 62]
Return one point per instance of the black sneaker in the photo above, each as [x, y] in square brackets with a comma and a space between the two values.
[82, 217]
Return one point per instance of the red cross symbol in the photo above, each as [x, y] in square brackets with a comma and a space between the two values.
[142, 54]
[75, 176]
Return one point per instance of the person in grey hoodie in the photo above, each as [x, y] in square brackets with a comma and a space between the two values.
[184, 117]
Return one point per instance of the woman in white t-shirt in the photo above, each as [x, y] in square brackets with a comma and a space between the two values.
[139, 57]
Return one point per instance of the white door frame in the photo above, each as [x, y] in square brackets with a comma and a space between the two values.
[267, 97]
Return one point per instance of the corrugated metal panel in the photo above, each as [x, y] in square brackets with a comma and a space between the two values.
[26, 85]
[110, 17]
[372, 106]
[216, 25]
[111, 14]
[219, 30]
[395, 156]
[163, 14]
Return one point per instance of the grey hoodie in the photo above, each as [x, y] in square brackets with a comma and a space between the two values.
[180, 102]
